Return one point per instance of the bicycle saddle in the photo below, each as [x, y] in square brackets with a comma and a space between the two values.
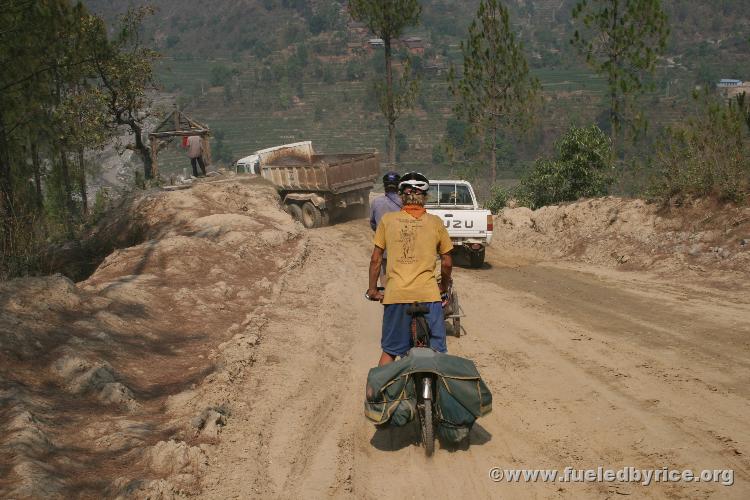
[417, 309]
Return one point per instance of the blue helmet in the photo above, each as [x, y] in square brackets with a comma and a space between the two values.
[391, 179]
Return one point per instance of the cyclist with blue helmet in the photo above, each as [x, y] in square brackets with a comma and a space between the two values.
[389, 202]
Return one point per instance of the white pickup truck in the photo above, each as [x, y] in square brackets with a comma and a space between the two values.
[469, 226]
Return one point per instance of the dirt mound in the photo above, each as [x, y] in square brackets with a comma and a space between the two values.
[122, 373]
[632, 234]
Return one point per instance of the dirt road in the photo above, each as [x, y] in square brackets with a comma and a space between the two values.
[587, 367]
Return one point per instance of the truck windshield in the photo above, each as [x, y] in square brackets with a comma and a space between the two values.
[450, 195]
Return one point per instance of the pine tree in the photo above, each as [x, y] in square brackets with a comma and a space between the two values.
[387, 19]
[495, 92]
[621, 40]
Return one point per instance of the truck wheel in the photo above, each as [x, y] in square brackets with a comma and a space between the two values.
[476, 259]
[364, 210]
[294, 210]
[311, 216]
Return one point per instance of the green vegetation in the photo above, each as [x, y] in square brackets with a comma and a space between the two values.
[621, 40]
[708, 155]
[582, 168]
[388, 19]
[65, 88]
[264, 72]
[495, 92]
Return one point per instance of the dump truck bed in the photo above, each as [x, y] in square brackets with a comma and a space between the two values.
[334, 173]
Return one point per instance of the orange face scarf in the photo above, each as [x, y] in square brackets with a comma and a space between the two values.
[415, 211]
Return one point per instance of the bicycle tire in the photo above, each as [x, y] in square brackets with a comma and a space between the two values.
[428, 432]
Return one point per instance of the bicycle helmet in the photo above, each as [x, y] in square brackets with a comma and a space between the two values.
[414, 180]
[391, 179]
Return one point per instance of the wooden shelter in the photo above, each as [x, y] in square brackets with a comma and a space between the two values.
[177, 124]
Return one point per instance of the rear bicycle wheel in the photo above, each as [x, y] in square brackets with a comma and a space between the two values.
[428, 431]
[456, 312]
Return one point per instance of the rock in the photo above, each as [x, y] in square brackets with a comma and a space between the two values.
[117, 393]
[81, 376]
[724, 254]
[695, 250]
[212, 425]
[744, 242]
[209, 422]
[173, 457]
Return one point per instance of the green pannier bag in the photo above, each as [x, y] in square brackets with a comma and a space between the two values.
[461, 395]
[390, 396]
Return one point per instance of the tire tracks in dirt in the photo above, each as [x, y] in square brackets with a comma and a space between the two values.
[587, 368]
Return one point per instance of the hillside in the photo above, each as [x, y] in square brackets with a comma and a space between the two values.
[267, 72]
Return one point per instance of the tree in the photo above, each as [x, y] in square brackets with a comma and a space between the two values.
[54, 105]
[82, 119]
[124, 68]
[496, 91]
[387, 19]
[621, 40]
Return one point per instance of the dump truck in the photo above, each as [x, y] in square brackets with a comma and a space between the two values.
[316, 189]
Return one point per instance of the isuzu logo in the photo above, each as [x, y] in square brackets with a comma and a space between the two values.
[458, 224]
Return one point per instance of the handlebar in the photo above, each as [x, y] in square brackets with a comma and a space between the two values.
[380, 289]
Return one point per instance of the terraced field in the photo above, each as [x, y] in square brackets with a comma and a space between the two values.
[252, 118]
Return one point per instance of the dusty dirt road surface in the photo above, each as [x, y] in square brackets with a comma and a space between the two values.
[221, 351]
[588, 367]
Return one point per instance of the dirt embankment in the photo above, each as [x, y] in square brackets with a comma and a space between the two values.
[114, 386]
[700, 237]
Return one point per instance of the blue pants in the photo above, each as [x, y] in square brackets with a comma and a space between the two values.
[396, 337]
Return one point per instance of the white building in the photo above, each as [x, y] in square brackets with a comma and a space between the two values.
[728, 83]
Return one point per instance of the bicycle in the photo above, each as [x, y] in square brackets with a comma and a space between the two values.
[420, 347]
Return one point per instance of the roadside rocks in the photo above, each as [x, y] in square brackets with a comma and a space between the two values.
[169, 458]
[209, 423]
[613, 231]
[81, 376]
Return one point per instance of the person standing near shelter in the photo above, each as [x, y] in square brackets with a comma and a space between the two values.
[195, 153]
[413, 239]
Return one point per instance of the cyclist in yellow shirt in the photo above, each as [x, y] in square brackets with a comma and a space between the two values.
[413, 239]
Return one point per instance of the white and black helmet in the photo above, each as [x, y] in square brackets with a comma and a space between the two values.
[414, 180]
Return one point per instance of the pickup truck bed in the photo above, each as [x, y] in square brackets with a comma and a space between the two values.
[469, 226]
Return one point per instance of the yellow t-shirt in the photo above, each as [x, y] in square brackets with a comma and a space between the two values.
[412, 245]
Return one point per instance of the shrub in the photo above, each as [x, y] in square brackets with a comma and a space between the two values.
[708, 155]
[499, 198]
[582, 168]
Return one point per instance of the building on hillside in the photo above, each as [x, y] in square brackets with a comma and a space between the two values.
[414, 45]
[732, 88]
[354, 48]
[435, 67]
[728, 83]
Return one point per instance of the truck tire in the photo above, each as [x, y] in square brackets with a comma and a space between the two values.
[294, 210]
[311, 216]
[476, 259]
[364, 209]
